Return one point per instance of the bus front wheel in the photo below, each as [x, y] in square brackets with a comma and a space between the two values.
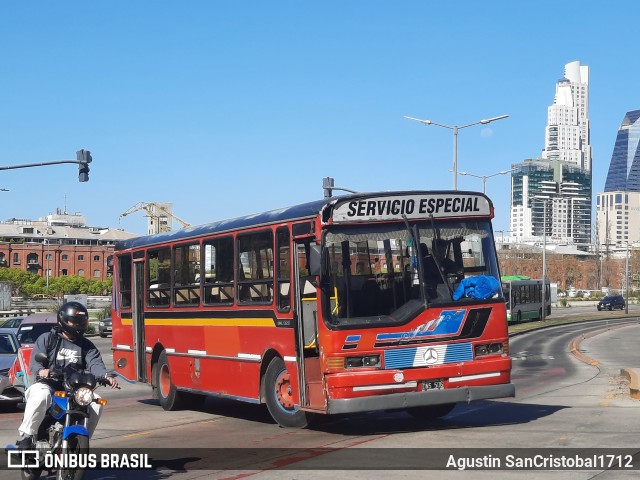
[168, 394]
[279, 397]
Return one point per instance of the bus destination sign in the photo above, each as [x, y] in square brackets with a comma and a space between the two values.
[396, 207]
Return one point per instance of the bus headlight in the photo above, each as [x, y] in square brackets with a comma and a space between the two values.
[369, 361]
[497, 348]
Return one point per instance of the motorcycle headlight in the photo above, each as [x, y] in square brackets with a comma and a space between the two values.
[83, 396]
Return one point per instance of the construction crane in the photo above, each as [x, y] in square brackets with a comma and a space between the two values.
[160, 216]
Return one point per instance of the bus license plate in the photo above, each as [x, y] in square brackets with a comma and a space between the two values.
[434, 385]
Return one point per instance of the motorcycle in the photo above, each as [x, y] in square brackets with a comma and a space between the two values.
[62, 442]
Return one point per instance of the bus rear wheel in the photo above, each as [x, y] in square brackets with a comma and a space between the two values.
[431, 412]
[279, 397]
[168, 395]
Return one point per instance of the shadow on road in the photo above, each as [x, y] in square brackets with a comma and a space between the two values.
[227, 408]
[478, 414]
[484, 413]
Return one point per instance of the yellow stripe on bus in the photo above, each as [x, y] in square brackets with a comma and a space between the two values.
[201, 322]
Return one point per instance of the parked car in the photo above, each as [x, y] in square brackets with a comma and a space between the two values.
[610, 302]
[104, 327]
[12, 323]
[35, 325]
[28, 332]
[8, 351]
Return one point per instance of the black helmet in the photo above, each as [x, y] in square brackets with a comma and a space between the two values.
[73, 318]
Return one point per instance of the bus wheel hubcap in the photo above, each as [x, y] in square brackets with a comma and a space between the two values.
[165, 381]
[283, 390]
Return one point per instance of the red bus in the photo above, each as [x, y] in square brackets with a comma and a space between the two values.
[339, 305]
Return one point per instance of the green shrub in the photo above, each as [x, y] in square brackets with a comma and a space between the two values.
[27, 284]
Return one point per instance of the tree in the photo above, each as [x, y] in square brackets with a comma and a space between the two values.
[27, 284]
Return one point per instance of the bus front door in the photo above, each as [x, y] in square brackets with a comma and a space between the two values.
[306, 305]
[138, 321]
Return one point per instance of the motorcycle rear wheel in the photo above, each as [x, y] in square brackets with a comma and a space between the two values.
[77, 444]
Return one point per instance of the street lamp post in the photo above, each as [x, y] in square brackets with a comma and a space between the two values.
[626, 280]
[328, 185]
[544, 201]
[484, 177]
[46, 241]
[455, 129]
[544, 262]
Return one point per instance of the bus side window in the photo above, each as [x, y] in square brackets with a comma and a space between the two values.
[124, 277]
[255, 268]
[283, 269]
[218, 286]
[186, 276]
[158, 277]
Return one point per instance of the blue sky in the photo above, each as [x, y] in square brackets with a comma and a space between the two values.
[229, 108]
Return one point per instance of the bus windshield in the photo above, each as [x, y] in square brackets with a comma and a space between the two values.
[388, 272]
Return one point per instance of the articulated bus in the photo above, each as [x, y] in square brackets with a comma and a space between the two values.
[335, 306]
[524, 298]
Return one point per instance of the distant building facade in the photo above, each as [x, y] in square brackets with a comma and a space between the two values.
[551, 196]
[618, 207]
[59, 245]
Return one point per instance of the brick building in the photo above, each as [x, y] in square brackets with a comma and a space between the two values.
[569, 267]
[60, 244]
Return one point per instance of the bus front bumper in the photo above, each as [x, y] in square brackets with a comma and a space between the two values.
[397, 401]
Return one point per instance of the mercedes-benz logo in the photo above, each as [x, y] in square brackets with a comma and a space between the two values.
[430, 356]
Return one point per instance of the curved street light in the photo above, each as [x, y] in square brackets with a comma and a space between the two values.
[484, 177]
[455, 129]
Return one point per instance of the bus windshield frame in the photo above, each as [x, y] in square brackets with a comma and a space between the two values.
[374, 274]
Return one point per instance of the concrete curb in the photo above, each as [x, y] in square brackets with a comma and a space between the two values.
[628, 373]
[632, 376]
[574, 348]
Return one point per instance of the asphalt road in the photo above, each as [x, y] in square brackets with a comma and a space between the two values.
[561, 402]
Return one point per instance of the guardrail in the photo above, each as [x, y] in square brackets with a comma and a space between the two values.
[26, 306]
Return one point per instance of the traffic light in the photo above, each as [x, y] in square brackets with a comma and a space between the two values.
[84, 159]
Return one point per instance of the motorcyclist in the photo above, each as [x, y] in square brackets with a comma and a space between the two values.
[64, 345]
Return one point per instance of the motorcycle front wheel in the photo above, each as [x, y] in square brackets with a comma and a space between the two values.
[30, 473]
[77, 444]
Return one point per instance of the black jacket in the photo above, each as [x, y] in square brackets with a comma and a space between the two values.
[81, 353]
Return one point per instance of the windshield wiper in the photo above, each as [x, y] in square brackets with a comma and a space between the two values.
[436, 255]
[415, 237]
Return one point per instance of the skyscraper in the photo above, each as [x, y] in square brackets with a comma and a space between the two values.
[567, 135]
[624, 169]
[557, 187]
[618, 207]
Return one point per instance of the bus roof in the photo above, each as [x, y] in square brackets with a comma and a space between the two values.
[343, 204]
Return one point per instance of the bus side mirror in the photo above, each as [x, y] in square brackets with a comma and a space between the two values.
[315, 260]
